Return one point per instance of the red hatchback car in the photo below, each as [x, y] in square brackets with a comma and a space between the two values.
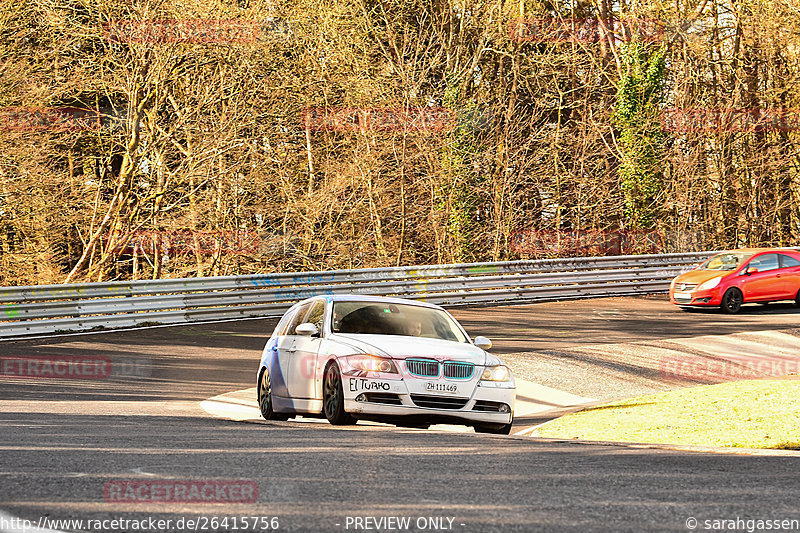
[733, 278]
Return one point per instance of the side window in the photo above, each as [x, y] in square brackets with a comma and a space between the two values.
[283, 325]
[316, 314]
[297, 319]
[765, 262]
[788, 261]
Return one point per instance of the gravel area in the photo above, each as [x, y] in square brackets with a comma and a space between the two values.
[615, 371]
[584, 375]
[614, 348]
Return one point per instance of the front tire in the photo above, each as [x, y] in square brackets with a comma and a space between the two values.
[265, 399]
[797, 299]
[732, 301]
[333, 397]
[497, 429]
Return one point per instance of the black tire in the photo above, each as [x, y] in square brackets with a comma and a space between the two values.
[265, 399]
[797, 299]
[497, 429]
[732, 301]
[333, 397]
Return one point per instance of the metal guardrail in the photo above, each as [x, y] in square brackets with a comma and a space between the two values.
[44, 309]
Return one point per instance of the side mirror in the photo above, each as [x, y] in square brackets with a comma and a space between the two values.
[751, 270]
[306, 329]
[483, 343]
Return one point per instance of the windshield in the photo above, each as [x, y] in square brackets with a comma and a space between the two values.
[377, 318]
[726, 261]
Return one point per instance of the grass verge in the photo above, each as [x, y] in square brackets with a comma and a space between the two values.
[745, 414]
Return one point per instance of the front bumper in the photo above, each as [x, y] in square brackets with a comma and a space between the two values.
[429, 399]
[710, 298]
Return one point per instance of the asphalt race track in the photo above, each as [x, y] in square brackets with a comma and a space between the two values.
[64, 441]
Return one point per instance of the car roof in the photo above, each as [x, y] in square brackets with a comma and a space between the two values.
[371, 298]
[745, 251]
[760, 250]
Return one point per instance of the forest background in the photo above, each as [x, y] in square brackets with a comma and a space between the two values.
[180, 138]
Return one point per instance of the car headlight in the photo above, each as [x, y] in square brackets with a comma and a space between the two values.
[372, 363]
[496, 373]
[710, 284]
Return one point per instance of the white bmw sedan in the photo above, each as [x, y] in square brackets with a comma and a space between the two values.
[351, 357]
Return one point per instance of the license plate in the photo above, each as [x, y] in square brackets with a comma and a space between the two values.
[684, 295]
[441, 387]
